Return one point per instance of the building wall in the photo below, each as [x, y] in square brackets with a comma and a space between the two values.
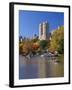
[43, 31]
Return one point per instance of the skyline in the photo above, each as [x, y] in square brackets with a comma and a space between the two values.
[29, 21]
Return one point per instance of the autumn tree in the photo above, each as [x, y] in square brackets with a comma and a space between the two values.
[57, 40]
[20, 48]
[27, 46]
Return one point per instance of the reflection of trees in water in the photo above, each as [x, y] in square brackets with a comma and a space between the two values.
[50, 68]
[55, 68]
[41, 67]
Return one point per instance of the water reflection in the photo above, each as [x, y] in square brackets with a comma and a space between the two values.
[40, 67]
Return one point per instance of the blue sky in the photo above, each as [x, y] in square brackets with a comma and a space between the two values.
[29, 21]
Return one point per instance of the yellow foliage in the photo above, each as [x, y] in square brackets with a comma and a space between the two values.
[56, 37]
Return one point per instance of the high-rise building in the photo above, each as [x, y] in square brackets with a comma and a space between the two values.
[43, 31]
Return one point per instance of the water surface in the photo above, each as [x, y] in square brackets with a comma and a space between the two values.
[40, 67]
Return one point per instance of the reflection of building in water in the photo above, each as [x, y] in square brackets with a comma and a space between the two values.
[43, 30]
[41, 68]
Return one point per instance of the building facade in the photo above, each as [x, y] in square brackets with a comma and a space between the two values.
[43, 31]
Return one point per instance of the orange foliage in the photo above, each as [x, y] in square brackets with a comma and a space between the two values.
[35, 46]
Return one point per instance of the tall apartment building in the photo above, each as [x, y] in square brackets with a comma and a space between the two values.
[43, 31]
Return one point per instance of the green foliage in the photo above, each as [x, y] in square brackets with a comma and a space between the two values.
[43, 44]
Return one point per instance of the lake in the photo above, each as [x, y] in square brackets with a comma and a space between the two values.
[40, 67]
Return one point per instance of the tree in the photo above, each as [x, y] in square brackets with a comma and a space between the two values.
[26, 48]
[43, 44]
[35, 38]
[57, 40]
[20, 48]
[35, 46]
[61, 46]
